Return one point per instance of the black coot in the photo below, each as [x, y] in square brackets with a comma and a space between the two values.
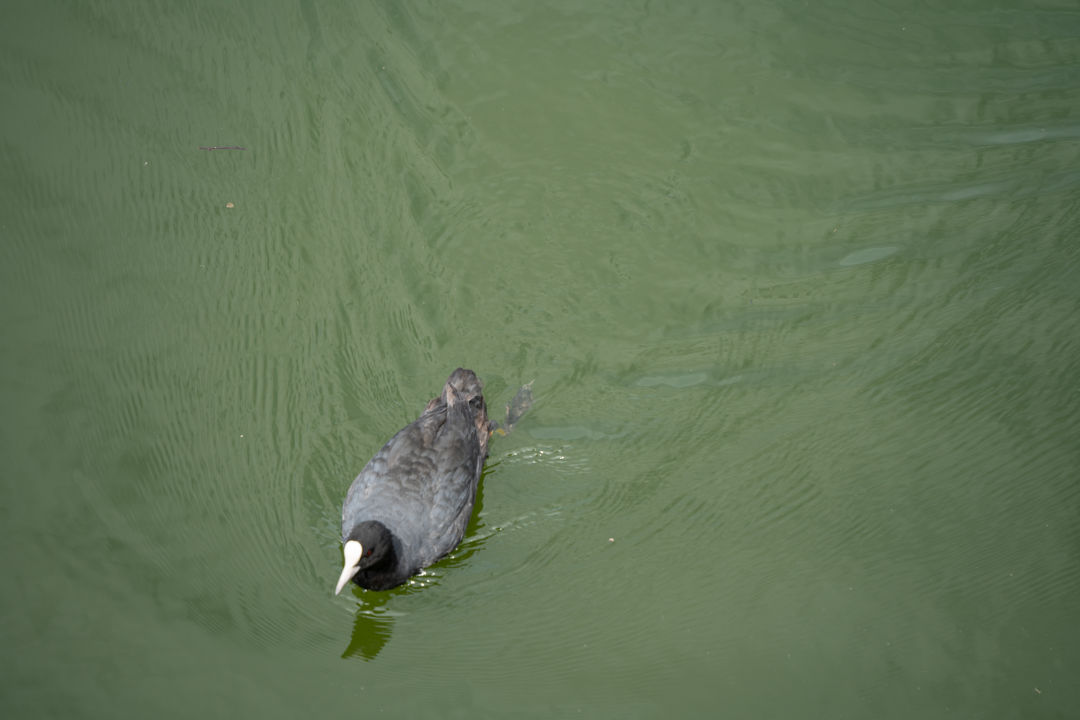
[409, 506]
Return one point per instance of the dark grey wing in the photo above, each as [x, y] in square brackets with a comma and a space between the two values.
[453, 486]
[393, 487]
[421, 485]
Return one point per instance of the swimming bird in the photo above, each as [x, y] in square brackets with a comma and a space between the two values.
[410, 504]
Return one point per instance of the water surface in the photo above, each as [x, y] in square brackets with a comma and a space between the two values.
[797, 284]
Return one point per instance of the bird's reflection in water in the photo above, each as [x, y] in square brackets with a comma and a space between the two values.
[371, 628]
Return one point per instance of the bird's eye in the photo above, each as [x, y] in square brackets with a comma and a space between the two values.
[367, 554]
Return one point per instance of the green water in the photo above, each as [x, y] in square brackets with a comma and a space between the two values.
[798, 285]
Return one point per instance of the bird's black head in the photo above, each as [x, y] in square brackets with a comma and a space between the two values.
[367, 545]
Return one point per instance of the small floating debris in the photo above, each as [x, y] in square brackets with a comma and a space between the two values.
[221, 147]
[229, 205]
